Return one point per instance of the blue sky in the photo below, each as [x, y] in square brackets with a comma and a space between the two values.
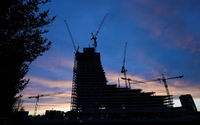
[163, 37]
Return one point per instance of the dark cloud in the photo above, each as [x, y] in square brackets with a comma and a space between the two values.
[166, 21]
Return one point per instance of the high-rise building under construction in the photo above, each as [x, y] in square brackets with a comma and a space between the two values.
[92, 94]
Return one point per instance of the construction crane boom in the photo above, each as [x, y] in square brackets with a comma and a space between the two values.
[176, 77]
[101, 24]
[94, 37]
[70, 34]
[133, 81]
[38, 97]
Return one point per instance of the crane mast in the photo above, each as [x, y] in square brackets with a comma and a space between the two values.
[165, 84]
[124, 70]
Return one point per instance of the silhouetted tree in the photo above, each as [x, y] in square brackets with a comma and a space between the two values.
[22, 25]
[18, 104]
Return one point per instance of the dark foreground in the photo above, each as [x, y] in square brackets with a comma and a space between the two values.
[187, 120]
[120, 122]
[159, 119]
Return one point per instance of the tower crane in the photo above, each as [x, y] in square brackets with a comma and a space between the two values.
[70, 34]
[124, 70]
[163, 79]
[38, 97]
[94, 37]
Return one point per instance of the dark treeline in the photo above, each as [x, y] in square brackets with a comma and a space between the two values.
[22, 25]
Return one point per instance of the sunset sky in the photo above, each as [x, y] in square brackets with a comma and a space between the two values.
[163, 37]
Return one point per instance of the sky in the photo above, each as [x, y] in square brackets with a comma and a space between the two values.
[163, 37]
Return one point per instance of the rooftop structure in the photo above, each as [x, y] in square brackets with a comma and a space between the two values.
[188, 103]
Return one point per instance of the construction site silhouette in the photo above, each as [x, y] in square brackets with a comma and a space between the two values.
[94, 101]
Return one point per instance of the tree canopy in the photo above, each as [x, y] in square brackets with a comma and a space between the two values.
[22, 25]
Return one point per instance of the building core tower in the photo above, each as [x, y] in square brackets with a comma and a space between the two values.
[88, 81]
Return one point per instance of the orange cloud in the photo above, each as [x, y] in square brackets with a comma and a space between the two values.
[51, 83]
[54, 63]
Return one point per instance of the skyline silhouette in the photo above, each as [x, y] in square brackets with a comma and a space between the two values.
[162, 37]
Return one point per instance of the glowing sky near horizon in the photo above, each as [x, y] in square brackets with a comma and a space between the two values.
[163, 37]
